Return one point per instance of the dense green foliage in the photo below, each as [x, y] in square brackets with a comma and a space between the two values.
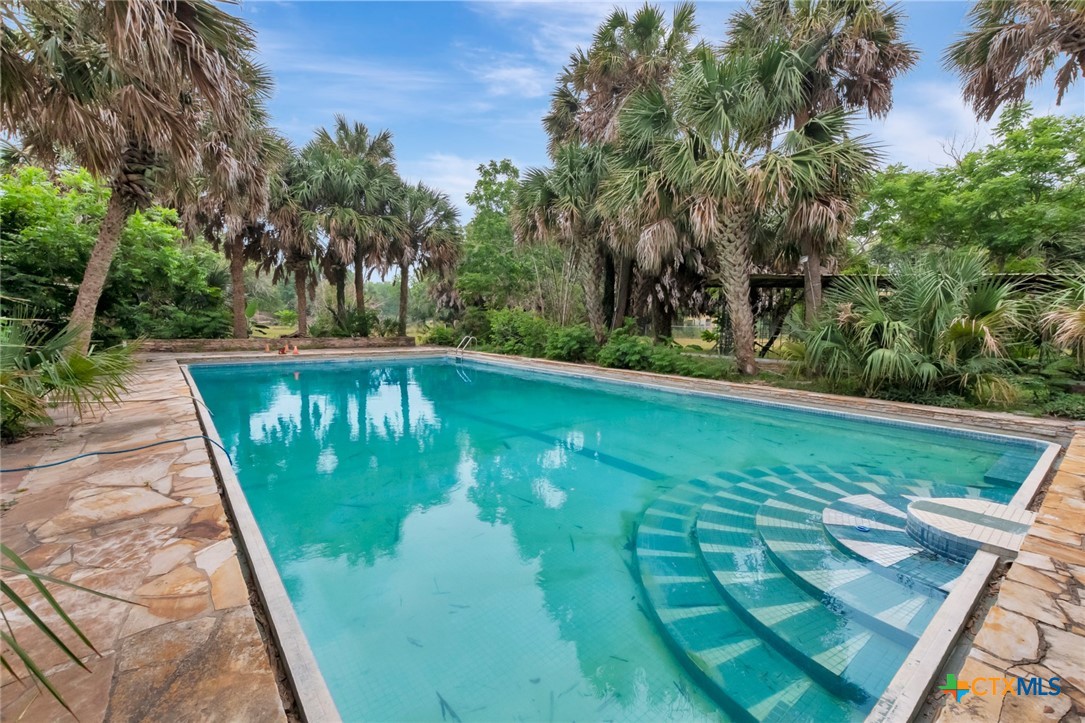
[1022, 199]
[496, 272]
[157, 285]
[945, 326]
[39, 367]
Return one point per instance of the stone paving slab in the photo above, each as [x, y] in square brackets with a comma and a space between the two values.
[1037, 624]
[147, 526]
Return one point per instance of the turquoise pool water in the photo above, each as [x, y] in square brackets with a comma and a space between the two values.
[473, 542]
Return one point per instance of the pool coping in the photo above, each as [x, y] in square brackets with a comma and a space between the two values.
[902, 698]
[313, 697]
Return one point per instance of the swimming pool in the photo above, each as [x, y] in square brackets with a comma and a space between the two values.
[476, 541]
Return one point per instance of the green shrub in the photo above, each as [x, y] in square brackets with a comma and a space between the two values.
[625, 350]
[39, 367]
[476, 323]
[572, 344]
[1071, 406]
[945, 327]
[513, 331]
[286, 317]
[441, 336]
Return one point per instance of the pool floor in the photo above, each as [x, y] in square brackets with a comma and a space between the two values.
[463, 541]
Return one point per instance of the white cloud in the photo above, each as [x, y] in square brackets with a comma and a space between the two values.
[517, 80]
[455, 175]
[927, 120]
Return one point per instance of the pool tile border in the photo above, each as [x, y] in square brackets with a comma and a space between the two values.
[905, 694]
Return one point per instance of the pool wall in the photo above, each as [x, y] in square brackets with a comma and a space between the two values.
[902, 698]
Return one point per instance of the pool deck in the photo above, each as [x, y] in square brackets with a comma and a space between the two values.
[150, 526]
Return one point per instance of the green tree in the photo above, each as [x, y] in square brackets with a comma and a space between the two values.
[157, 286]
[127, 90]
[1022, 199]
[429, 239]
[351, 182]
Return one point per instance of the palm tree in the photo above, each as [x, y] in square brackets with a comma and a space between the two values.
[429, 240]
[123, 89]
[352, 178]
[559, 204]
[722, 164]
[628, 54]
[295, 237]
[229, 202]
[852, 51]
[1013, 44]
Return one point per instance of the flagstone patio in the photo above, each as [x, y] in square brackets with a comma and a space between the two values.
[148, 526]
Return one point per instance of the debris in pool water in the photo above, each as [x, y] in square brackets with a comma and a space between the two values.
[534, 680]
[523, 499]
[571, 543]
[681, 690]
[570, 689]
[461, 607]
[862, 528]
[415, 643]
[624, 660]
[445, 707]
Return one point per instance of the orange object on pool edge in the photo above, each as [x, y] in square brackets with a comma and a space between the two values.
[295, 348]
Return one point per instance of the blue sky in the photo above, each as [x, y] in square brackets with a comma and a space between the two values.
[459, 83]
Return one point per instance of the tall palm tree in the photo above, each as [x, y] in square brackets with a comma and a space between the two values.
[629, 53]
[723, 164]
[352, 179]
[852, 51]
[560, 204]
[430, 239]
[295, 236]
[230, 200]
[123, 89]
[1013, 44]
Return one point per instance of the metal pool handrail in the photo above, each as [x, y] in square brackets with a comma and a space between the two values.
[462, 346]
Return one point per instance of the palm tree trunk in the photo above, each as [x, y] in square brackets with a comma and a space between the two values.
[592, 278]
[608, 288]
[812, 271]
[735, 274]
[300, 275]
[621, 303]
[94, 278]
[236, 250]
[403, 290]
[341, 293]
[359, 277]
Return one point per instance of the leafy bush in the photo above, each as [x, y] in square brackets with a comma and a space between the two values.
[476, 323]
[1071, 406]
[441, 336]
[286, 317]
[513, 331]
[157, 285]
[944, 327]
[350, 324]
[625, 350]
[572, 344]
[39, 368]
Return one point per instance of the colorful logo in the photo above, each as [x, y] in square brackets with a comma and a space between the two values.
[956, 688]
[1000, 686]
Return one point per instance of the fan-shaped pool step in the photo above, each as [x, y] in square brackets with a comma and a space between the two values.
[729, 658]
[842, 653]
[872, 529]
[796, 541]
